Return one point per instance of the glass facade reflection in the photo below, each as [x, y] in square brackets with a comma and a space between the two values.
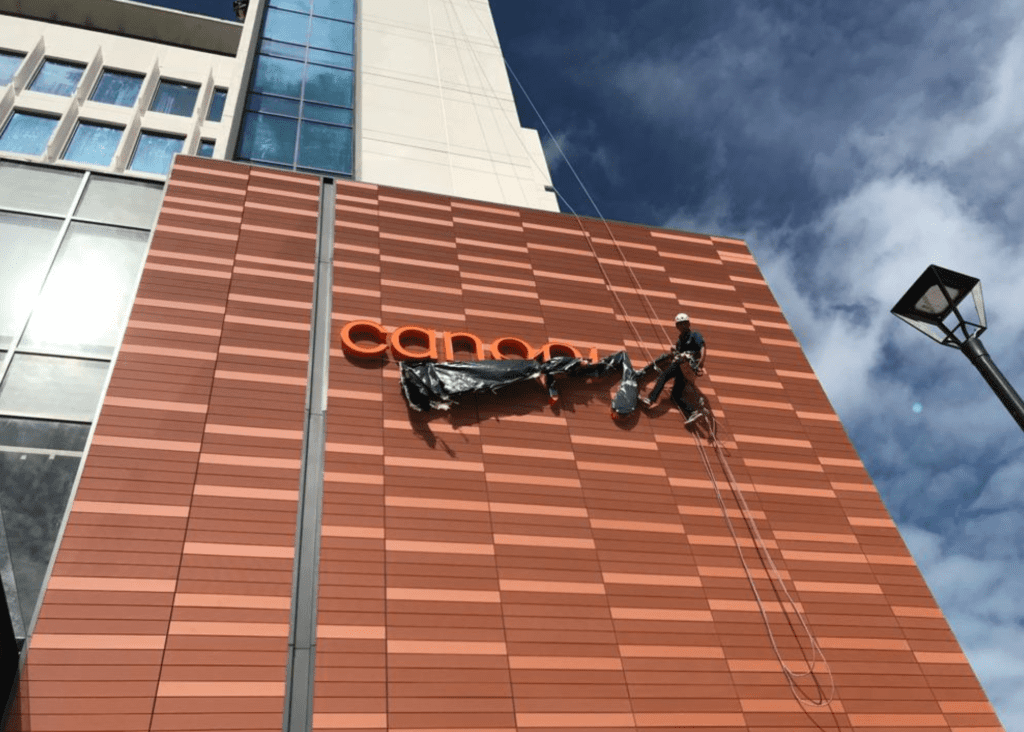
[175, 98]
[300, 108]
[9, 64]
[155, 152]
[93, 144]
[27, 133]
[74, 246]
[117, 87]
[58, 77]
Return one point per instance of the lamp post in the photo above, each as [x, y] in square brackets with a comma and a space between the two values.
[933, 305]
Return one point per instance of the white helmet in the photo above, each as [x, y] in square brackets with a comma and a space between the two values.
[682, 318]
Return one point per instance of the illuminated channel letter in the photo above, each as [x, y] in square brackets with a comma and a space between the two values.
[463, 339]
[357, 328]
[508, 348]
[408, 335]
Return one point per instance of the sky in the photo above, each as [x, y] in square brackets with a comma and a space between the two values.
[850, 145]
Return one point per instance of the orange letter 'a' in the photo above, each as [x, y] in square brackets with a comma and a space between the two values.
[518, 347]
[450, 339]
[363, 328]
[419, 336]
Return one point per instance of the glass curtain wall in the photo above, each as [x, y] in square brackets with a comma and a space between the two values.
[74, 246]
[300, 107]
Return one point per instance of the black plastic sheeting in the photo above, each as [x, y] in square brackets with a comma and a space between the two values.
[428, 385]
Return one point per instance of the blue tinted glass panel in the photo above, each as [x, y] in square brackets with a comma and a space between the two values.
[340, 9]
[284, 26]
[58, 77]
[285, 50]
[154, 153]
[299, 6]
[273, 105]
[325, 147]
[175, 98]
[330, 58]
[334, 115]
[205, 149]
[217, 105]
[27, 133]
[118, 88]
[9, 63]
[268, 138]
[333, 86]
[334, 35]
[278, 76]
[93, 144]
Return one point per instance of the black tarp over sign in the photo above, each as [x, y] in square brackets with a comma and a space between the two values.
[428, 385]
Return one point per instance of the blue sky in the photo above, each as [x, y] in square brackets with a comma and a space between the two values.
[851, 145]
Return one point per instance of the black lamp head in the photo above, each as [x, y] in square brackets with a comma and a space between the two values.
[937, 295]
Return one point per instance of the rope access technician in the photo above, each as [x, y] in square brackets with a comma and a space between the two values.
[691, 346]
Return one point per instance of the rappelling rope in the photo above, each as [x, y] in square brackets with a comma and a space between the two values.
[650, 313]
[774, 574]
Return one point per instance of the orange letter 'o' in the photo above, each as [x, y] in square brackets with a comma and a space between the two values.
[363, 327]
[520, 349]
[402, 353]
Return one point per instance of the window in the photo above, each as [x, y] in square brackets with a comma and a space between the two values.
[173, 97]
[325, 147]
[332, 86]
[269, 139]
[93, 144]
[27, 244]
[59, 388]
[117, 87]
[278, 76]
[33, 189]
[281, 25]
[216, 110]
[154, 152]
[299, 109]
[338, 9]
[119, 201]
[205, 149]
[27, 133]
[58, 77]
[9, 64]
[332, 34]
[88, 293]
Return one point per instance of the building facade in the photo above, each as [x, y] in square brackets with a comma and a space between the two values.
[264, 530]
[218, 510]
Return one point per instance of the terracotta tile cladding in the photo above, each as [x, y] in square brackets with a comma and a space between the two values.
[508, 565]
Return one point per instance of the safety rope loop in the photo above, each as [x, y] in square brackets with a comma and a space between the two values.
[788, 605]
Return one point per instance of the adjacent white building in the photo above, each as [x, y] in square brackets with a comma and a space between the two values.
[410, 93]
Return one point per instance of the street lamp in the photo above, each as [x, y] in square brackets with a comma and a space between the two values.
[933, 305]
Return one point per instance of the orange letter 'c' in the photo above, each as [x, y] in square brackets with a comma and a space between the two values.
[450, 339]
[363, 328]
[518, 347]
[419, 336]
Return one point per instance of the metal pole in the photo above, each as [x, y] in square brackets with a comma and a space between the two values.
[976, 352]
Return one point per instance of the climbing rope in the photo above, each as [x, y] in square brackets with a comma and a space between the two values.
[774, 576]
[788, 606]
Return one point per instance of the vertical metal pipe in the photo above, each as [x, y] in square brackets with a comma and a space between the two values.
[975, 351]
